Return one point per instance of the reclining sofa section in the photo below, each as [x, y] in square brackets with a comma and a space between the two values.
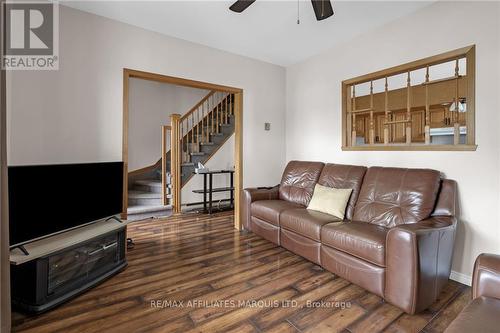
[397, 237]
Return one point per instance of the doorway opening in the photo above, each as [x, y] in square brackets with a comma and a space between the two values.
[173, 129]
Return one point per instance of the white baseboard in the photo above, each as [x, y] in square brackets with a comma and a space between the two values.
[462, 278]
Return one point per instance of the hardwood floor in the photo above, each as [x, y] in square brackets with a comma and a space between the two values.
[205, 268]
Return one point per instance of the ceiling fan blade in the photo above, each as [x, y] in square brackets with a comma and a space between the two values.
[322, 8]
[241, 5]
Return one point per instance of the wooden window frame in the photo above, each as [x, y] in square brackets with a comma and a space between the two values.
[468, 52]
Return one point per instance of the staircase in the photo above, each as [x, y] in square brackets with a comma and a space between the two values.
[203, 130]
[203, 151]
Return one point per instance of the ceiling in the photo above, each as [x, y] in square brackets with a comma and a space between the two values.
[267, 30]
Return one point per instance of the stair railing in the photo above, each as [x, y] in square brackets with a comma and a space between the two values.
[189, 128]
[193, 129]
[201, 121]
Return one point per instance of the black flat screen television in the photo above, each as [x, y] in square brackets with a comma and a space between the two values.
[47, 199]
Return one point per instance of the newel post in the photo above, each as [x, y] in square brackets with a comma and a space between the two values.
[175, 162]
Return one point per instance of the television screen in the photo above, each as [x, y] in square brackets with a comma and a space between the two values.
[47, 199]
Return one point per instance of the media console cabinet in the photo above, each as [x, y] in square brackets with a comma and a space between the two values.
[63, 266]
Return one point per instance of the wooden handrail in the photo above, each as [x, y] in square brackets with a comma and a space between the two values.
[361, 110]
[194, 108]
[397, 122]
[206, 118]
[191, 121]
[451, 78]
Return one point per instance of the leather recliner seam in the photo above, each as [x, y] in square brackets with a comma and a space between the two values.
[354, 255]
[296, 232]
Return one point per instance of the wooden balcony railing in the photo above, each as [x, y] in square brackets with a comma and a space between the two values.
[410, 115]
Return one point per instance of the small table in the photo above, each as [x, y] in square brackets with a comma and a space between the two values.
[207, 205]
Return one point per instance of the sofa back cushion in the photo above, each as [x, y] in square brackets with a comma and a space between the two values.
[394, 196]
[298, 181]
[344, 176]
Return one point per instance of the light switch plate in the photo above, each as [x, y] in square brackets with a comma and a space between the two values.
[267, 126]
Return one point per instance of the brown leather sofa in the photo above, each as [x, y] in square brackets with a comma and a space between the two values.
[397, 237]
[481, 314]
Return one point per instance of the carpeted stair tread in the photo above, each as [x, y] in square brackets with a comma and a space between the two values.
[149, 182]
[141, 209]
[143, 195]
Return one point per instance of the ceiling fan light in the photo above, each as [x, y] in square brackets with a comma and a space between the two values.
[241, 5]
[322, 9]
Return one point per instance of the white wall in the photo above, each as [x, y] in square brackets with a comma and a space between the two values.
[75, 114]
[150, 106]
[313, 118]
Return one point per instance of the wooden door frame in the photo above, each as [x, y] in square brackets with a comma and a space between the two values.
[238, 129]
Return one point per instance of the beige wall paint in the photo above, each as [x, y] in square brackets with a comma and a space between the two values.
[150, 106]
[75, 114]
[313, 119]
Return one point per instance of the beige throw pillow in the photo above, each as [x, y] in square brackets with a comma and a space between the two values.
[330, 200]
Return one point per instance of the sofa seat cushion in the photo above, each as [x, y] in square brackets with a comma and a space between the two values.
[306, 222]
[270, 210]
[360, 239]
[480, 315]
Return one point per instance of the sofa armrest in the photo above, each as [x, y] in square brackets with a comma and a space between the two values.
[486, 278]
[418, 260]
[254, 194]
